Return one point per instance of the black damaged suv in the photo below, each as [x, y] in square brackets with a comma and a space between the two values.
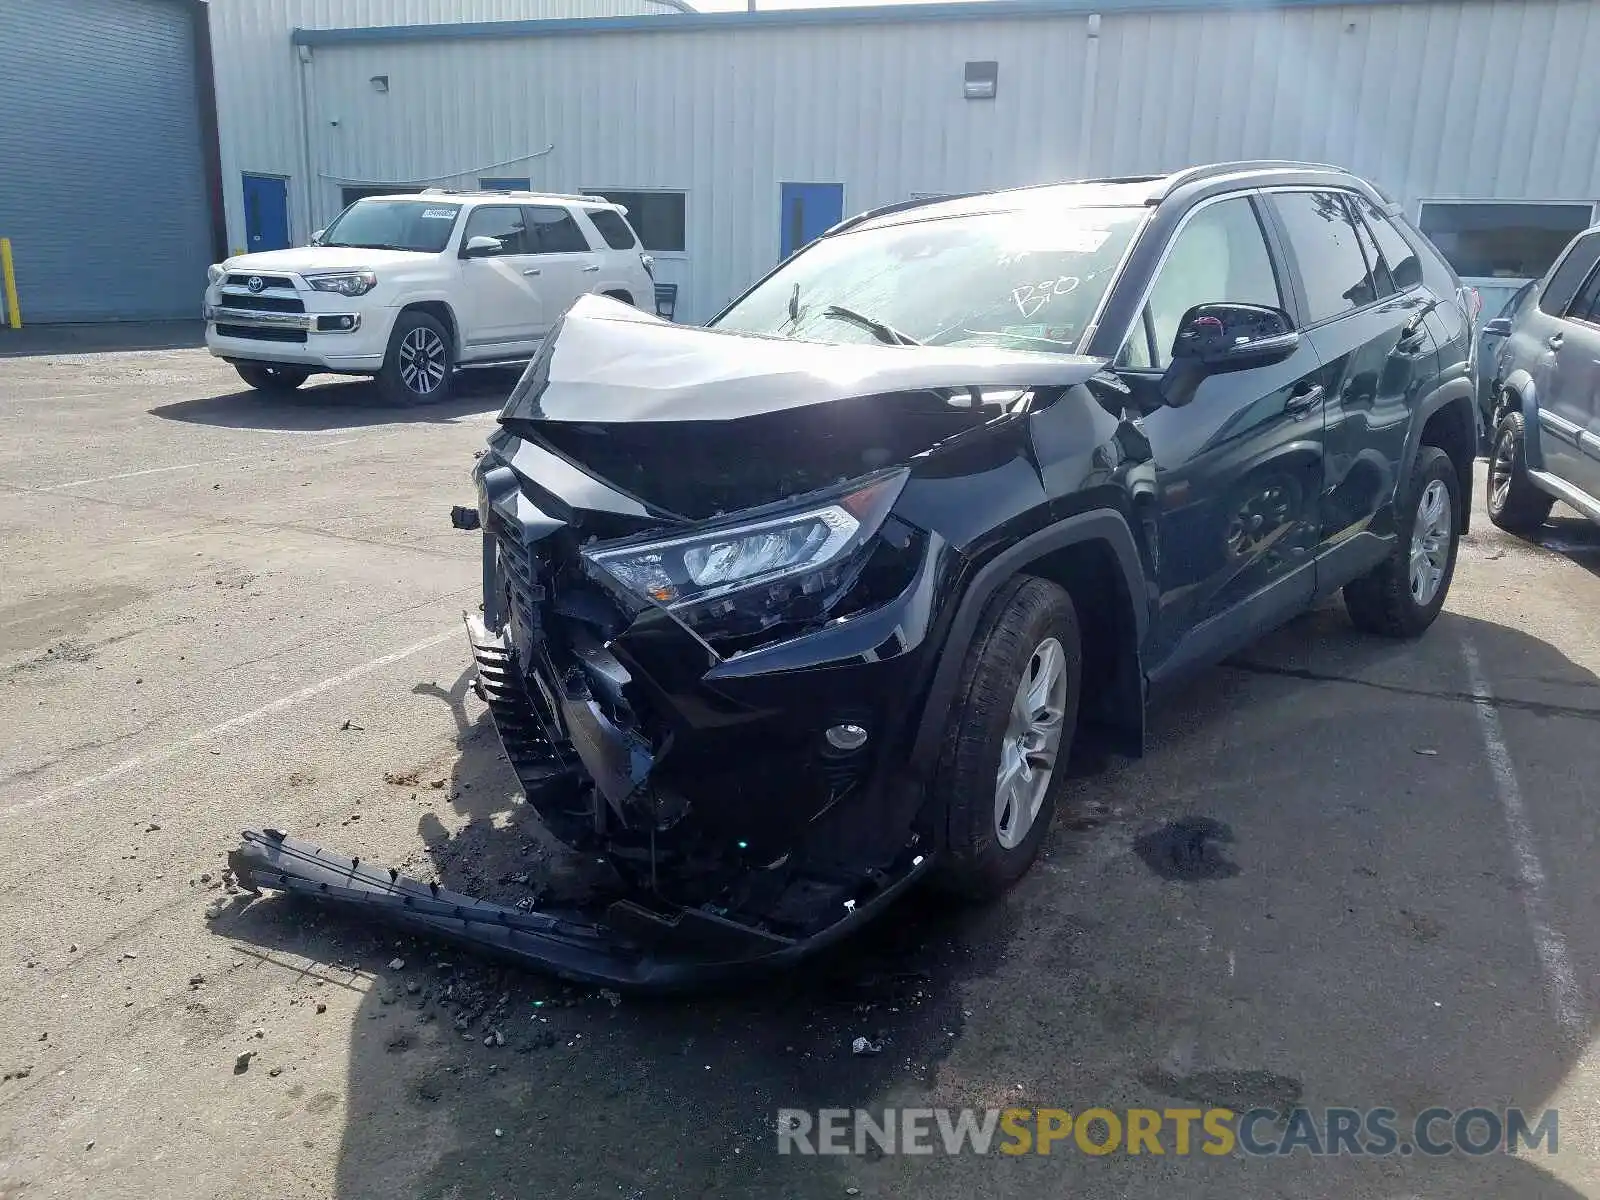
[782, 614]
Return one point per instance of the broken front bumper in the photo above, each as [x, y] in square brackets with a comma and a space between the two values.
[628, 946]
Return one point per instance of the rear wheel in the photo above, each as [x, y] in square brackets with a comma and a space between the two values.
[1008, 738]
[1515, 505]
[419, 365]
[1402, 595]
[268, 377]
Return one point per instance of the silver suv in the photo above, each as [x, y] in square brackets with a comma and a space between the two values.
[1546, 388]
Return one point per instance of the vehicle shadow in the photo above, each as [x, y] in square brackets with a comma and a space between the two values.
[1576, 538]
[334, 402]
[491, 1082]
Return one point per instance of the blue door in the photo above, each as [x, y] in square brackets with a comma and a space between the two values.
[807, 211]
[266, 213]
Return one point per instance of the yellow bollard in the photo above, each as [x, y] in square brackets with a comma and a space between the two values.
[8, 275]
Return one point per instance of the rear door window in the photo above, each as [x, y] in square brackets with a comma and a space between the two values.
[1586, 304]
[1381, 277]
[553, 231]
[1333, 271]
[1571, 271]
[1399, 255]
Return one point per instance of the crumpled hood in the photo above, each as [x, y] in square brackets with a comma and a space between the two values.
[607, 362]
[316, 259]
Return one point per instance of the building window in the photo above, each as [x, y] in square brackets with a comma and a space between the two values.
[350, 195]
[1485, 239]
[503, 183]
[658, 217]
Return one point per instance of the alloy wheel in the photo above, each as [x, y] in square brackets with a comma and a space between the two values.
[1430, 542]
[423, 360]
[1031, 742]
[1500, 467]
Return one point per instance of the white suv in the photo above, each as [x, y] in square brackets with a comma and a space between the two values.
[407, 288]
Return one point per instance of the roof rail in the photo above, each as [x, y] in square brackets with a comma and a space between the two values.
[1191, 174]
[440, 191]
[898, 206]
[592, 199]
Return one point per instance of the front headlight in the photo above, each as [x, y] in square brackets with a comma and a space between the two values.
[346, 283]
[216, 273]
[762, 572]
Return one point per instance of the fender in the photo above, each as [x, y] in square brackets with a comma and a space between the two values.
[1457, 391]
[418, 299]
[1102, 525]
[1525, 399]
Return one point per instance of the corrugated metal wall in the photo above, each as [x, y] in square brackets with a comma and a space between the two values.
[102, 183]
[1418, 96]
[258, 75]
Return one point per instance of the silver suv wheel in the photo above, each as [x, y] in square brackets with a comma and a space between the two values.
[1430, 542]
[1031, 742]
[424, 360]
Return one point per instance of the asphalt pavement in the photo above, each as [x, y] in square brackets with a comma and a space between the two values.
[1348, 873]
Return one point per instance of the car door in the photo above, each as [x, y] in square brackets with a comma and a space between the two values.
[1367, 320]
[1572, 396]
[1532, 353]
[502, 311]
[1489, 343]
[1239, 467]
[566, 266]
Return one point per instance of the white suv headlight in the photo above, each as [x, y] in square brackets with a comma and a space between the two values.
[346, 283]
[216, 273]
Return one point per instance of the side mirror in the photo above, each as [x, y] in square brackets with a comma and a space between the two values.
[1214, 339]
[481, 247]
[1499, 327]
[316, 238]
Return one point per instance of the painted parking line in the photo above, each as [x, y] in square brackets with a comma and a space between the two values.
[1565, 996]
[193, 740]
[215, 462]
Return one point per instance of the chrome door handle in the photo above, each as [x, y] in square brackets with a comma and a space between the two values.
[1554, 341]
[531, 271]
[592, 267]
[1299, 401]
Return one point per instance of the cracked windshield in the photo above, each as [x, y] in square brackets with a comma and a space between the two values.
[1023, 281]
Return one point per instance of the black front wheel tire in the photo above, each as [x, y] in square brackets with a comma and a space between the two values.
[1402, 595]
[1514, 503]
[1012, 721]
[269, 377]
[419, 367]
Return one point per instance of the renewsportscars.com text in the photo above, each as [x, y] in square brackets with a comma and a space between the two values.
[1258, 1133]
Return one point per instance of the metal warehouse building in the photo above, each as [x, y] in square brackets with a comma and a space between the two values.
[734, 137]
[116, 191]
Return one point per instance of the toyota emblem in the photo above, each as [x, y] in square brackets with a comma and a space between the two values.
[255, 283]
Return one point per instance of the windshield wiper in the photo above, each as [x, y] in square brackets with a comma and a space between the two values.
[884, 333]
[364, 246]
